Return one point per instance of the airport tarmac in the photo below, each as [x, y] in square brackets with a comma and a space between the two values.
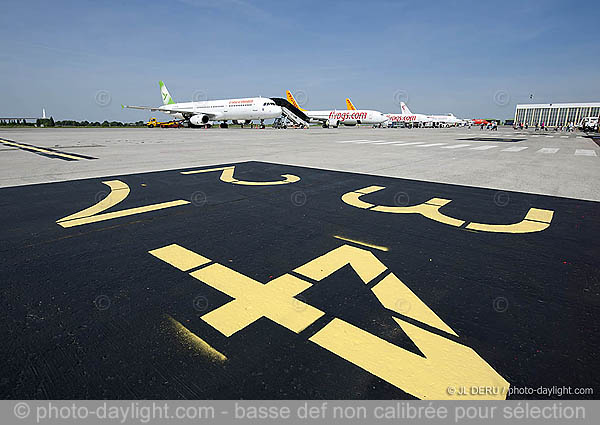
[558, 164]
[321, 264]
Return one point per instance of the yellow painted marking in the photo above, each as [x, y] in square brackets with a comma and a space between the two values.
[364, 263]
[536, 214]
[35, 148]
[369, 189]
[536, 219]
[179, 257]
[353, 198]
[123, 213]
[194, 342]
[368, 245]
[445, 362]
[429, 209]
[227, 177]
[253, 300]
[118, 192]
[396, 296]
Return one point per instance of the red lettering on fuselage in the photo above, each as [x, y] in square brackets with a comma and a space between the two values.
[351, 116]
[395, 118]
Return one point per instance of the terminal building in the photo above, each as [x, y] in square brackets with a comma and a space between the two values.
[555, 114]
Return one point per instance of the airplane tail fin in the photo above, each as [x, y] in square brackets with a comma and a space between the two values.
[349, 105]
[405, 109]
[291, 99]
[166, 97]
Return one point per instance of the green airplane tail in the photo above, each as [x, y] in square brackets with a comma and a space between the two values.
[166, 96]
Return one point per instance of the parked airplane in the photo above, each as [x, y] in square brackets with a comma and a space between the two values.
[198, 114]
[333, 118]
[406, 116]
[440, 120]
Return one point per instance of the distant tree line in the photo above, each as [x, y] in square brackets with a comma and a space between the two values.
[49, 122]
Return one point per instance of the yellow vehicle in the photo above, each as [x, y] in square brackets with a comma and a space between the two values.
[153, 123]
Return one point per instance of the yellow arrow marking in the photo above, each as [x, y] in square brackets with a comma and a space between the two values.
[227, 177]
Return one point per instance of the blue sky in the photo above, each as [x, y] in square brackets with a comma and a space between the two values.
[475, 59]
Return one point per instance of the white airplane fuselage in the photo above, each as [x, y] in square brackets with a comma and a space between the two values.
[256, 108]
[358, 116]
[408, 118]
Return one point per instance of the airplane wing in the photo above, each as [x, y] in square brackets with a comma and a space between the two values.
[185, 112]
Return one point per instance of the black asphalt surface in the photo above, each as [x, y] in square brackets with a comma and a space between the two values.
[83, 309]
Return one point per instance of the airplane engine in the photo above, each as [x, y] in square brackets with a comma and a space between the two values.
[199, 120]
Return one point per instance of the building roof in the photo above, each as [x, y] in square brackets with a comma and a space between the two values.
[558, 105]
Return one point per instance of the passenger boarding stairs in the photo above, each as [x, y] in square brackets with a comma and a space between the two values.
[290, 112]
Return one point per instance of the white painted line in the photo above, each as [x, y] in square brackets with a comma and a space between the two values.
[385, 143]
[549, 136]
[482, 148]
[580, 137]
[548, 150]
[536, 135]
[454, 146]
[432, 144]
[585, 152]
[564, 137]
[515, 149]
[351, 141]
[411, 143]
[367, 141]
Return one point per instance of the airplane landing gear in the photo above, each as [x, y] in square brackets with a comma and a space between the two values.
[262, 123]
[223, 125]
